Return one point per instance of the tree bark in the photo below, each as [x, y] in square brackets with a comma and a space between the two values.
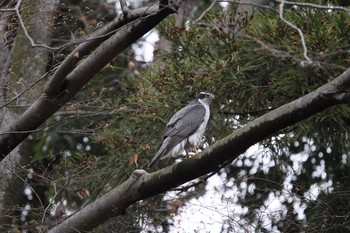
[142, 185]
[67, 80]
[24, 65]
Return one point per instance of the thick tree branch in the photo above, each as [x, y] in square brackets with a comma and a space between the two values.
[66, 82]
[142, 185]
[93, 41]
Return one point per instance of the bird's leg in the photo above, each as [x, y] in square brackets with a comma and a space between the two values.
[190, 148]
[195, 150]
[187, 148]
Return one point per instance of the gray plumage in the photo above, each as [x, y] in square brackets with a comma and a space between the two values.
[185, 128]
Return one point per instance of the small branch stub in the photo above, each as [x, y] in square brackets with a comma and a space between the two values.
[124, 7]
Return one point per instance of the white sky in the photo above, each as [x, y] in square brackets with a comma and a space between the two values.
[144, 51]
[209, 212]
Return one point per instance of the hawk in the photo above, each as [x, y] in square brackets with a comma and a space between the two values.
[185, 129]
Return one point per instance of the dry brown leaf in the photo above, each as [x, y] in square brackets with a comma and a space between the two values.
[133, 159]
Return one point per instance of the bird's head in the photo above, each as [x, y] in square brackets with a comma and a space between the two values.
[205, 97]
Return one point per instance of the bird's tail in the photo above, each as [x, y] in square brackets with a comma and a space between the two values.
[168, 144]
[154, 160]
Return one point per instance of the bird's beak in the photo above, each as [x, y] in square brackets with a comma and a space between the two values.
[210, 97]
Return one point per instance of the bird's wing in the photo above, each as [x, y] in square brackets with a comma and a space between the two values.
[183, 124]
[168, 144]
[186, 121]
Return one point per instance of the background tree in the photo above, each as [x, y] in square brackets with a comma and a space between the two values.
[22, 69]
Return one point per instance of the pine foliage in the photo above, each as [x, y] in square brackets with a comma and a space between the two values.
[261, 68]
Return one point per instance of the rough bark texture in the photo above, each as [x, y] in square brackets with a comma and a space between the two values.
[142, 185]
[66, 81]
[27, 65]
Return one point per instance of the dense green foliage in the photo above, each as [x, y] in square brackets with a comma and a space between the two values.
[259, 69]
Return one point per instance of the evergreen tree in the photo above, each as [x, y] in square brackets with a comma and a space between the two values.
[259, 69]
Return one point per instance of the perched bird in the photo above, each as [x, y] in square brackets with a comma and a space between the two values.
[185, 129]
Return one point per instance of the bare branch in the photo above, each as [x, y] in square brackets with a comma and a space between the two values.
[7, 9]
[206, 11]
[315, 6]
[300, 4]
[250, 4]
[95, 39]
[307, 60]
[301, 35]
[24, 91]
[279, 53]
[99, 33]
[21, 23]
[72, 115]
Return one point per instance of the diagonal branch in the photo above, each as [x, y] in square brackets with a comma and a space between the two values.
[142, 185]
[206, 11]
[94, 40]
[67, 81]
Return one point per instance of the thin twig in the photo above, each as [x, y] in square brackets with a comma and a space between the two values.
[275, 52]
[31, 188]
[32, 43]
[47, 127]
[206, 11]
[8, 10]
[24, 91]
[50, 204]
[301, 35]
[311, 5]
[300, 4]
[282, 54]
[74, 42]
[249, 4]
